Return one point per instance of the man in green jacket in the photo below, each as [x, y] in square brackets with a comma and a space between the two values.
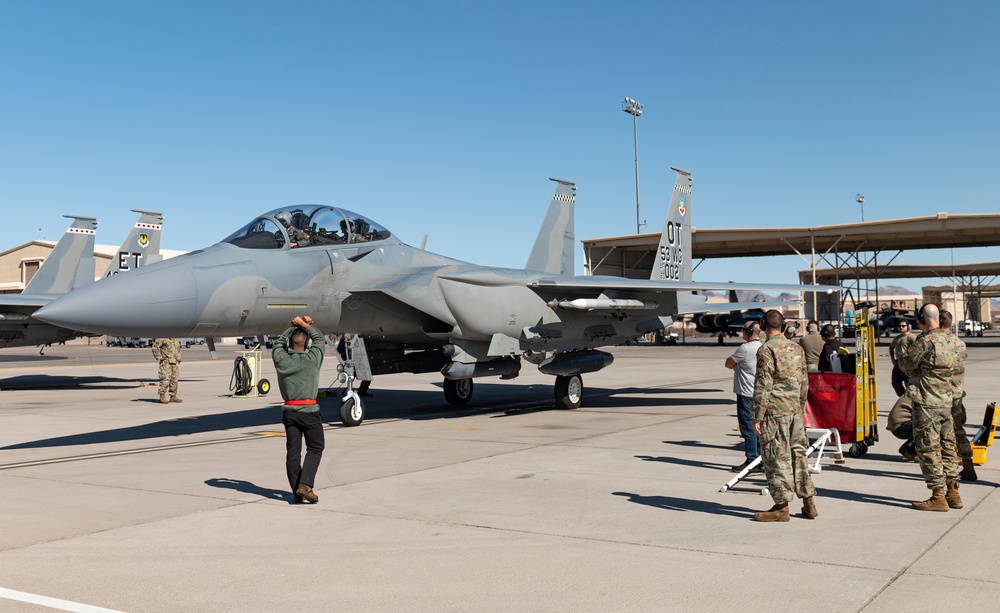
[297, 358]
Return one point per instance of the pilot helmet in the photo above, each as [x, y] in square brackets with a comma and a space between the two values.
[284, 217]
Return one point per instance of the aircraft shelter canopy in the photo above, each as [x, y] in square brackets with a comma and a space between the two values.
[306, 225]
[971, 271]
[632, 255]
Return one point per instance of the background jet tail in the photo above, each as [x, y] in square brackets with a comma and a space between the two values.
[71, 263]
[141, 246]
[553, 249]
[673, 257]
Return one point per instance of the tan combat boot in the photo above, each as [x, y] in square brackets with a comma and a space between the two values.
[809, 508]
[952, 497]
[163, 399]
[936, 502]
[778, 512]
[175, 399]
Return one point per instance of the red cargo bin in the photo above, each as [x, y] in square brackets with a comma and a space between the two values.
[832, 403]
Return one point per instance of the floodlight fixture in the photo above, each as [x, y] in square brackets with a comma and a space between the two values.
[634, 108]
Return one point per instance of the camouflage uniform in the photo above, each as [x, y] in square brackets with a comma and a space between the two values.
[779, 401]
[958, 415]
[168, 352]
[897, 348]
[931, 361]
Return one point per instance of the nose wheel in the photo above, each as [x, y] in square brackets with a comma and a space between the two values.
[352, 411]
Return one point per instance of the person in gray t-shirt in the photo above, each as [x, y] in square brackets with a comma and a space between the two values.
[743, 363]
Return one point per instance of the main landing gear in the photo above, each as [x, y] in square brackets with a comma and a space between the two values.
[568, 391]
[458, 392]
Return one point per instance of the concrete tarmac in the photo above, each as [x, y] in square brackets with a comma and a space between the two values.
[112, 500]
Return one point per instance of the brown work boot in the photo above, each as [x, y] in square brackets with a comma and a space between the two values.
[306, 493]
[163, 399]
[936, 502]
[952, 497]
[809, 508]
[968, 470]
[175, 399]
[778, 512]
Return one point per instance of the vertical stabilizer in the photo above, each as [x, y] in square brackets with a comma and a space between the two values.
[553, 250]
[141, 246]
[673, 257]
[71, 263]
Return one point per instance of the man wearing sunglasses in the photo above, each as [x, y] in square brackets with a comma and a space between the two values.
[743, 363]
[897, 348]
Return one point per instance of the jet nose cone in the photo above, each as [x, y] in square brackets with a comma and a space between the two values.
[157, 300]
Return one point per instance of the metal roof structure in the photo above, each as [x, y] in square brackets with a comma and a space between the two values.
[851, 250]
[987, 272]
[613, 254]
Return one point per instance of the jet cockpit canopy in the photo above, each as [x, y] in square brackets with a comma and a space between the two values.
[307, 225]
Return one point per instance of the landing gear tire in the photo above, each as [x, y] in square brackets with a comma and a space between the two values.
[352, 411]
[263, 387]
[569, 391]
[458, 392]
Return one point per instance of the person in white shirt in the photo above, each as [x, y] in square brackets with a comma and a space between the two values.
[743, 363]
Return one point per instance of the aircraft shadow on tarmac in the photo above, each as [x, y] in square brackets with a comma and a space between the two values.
[512, 401]
[404, 405]
[268, 416]
[30, 358]
[39, 382]
[250, 488]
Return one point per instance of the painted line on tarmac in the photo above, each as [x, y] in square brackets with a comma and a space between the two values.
[111, 454]
[53, 603]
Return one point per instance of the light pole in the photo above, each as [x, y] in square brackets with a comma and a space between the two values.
[861, 200]
[634, 108]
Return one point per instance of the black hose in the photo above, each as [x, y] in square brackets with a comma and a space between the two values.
[241, 383]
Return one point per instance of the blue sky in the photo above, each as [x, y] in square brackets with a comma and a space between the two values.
[447, 119]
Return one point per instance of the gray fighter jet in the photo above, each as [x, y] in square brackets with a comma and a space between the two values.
[410, 310]
[68, 267]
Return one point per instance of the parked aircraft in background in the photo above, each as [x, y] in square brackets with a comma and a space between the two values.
[69, 266]
[413, 311]
[731, 323]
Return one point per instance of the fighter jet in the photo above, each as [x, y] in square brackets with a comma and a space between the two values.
[70, 266]
[731, 323]
[412, 310]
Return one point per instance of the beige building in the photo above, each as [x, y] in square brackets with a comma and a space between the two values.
[19, 264]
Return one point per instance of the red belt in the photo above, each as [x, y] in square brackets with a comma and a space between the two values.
[300, 402]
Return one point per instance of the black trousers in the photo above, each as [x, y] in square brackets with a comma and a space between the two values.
[299, 426]
[898, 380]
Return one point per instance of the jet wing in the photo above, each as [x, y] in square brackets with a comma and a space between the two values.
[602, 283]
[31, 303]
[598, 284]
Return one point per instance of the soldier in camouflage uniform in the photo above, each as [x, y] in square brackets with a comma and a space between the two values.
[897, 348]
[931, 361]
[779, 401]
[168, 352]
[958, 414]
